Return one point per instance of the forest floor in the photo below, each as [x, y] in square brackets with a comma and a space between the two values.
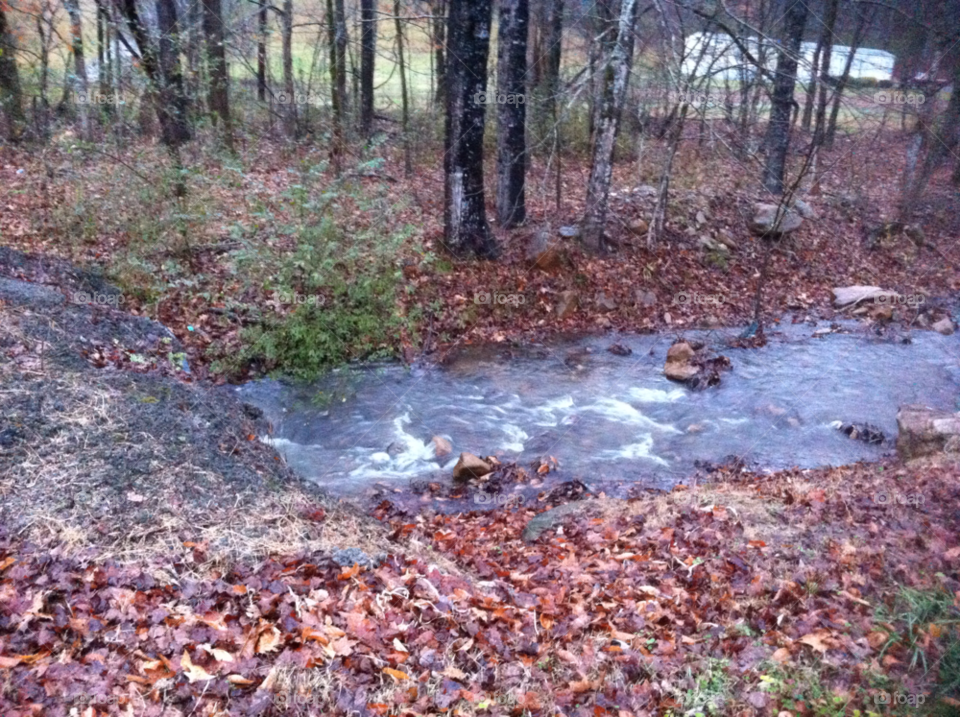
[209, 267]
[156, 560]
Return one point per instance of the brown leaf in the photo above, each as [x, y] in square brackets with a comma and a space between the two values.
[194, 673]
[396, 674]
[781, 655]
[269, 640]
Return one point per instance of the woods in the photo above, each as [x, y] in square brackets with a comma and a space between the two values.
[479, 358]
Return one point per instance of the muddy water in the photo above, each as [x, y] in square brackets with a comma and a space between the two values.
[609, 416]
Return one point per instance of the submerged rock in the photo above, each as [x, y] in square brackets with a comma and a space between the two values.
[686, 366]
[441, 446]
[679, 365]
[866, 432]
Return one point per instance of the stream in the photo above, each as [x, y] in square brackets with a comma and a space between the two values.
[607, 416]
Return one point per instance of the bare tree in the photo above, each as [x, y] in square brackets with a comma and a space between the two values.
[617, 40]
[438, 25]
[219, 94]
[511, 111]
[778, 130]
[466, 231]
[11, 94]
[368, 53]
[288, 98]
[404, 97]
[337, 39]
[80, 85]
[262, 60]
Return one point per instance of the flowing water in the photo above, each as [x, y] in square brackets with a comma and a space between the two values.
[609, 416]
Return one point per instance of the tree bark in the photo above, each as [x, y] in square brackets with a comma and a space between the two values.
[511, 113]
[547, 53]
[778, 130]
[812, 87]
[173, 97]
[466, 232]
[337, 40]
[170, 108]
[219, 95]
[262, 52]
[11, 94]
[858, 35]
[368, 53]
[288, 99]
[439, 26]
[829, 23]
[615, 70]
[404, 102]
[80, 84]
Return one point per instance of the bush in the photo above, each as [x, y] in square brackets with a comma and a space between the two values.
[334, 299]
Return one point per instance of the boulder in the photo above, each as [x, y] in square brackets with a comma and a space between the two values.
[543, 522]
[645, 298]
[567, 303]
[852, 295]
[604, 302]
[943, 326]
[924, 431]
[470, 466]
[724, 238]
[866, 432]
[679, 366]
[645, 190]
[638, 227]
[543, 254]
[569, 232]
[765, 216]
[804, 209]
[441, 446]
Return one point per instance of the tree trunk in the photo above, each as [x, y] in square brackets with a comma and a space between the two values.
[511, 112]
[547, 55]
[404, 102]
[173, 98]
[288, 99]
[615, 71]
[11, 95]
[812, 86]
[262, 52]
[337, 43]
[170, 108]
[778, 130]
[830, 22]
[439, 25]
[80, 85]
[368, 53]
[466, 231]
[858, 35]
[219, 96]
